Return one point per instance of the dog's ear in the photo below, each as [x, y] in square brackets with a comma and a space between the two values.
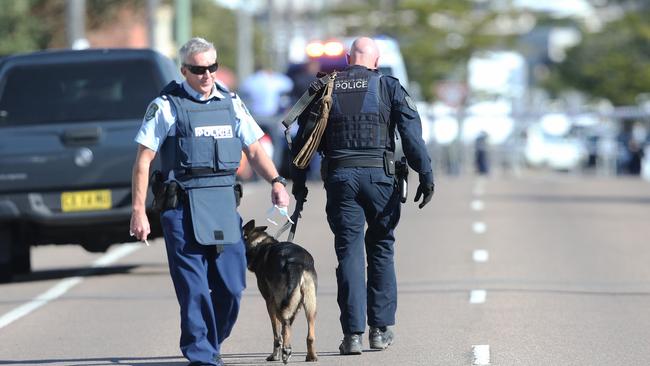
[249, 226]
[261, 228]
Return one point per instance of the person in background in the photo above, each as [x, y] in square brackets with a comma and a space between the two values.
[263, 91]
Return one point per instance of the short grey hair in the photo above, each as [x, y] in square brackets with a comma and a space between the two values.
[194, 46]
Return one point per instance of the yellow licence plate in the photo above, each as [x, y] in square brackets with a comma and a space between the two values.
[86, 200]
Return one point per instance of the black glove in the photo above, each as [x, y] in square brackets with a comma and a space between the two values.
[426, 191]
[299, 191]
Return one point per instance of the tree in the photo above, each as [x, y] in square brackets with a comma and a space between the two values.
[437, 38]
[611, 64]
[20, 31]
[32, 25]
[219, 25]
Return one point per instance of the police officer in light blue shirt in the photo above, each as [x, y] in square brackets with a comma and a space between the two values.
[199, 129]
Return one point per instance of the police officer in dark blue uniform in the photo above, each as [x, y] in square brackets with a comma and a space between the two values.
[358, 170]
[200, 130]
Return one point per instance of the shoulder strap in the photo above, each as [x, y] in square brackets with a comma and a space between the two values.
[303, 102]
[303, 157]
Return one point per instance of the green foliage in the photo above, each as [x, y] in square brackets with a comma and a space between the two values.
[20, 30]
[219, 26]
[216, 24]
[436, 37]
[611, 64]
[32, 25]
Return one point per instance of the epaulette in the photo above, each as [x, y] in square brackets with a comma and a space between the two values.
[171, 89]
[390, 77]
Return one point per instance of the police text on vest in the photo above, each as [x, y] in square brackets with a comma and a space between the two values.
[218, 132]
[351, 84]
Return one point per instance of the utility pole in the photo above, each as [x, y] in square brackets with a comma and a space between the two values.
[272, 35]
[245, 54]
[76, 24]
[152, 9]
[183, 9]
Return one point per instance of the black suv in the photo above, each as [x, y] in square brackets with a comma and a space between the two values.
[67, 123]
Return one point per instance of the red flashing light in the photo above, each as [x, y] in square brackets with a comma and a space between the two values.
[333, 48]
[329, 48]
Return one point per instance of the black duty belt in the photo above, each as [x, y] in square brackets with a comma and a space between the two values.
[205, 171]
[355, 162]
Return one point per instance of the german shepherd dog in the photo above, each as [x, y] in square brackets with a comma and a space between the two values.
[287, 279]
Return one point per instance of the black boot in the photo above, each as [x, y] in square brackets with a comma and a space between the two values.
[351, 344]
[380, 339]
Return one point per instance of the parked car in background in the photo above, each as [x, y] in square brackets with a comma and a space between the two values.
[67, 123]
[562, 152]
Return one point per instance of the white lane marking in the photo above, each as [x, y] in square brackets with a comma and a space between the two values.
[479, 227]
[42, 299]
[477, 296]
[64, 285]
[481, 354]
[480, 256]
[477, 205]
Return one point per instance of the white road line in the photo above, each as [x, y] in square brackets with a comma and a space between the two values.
[481, 354]
[480, 256]
[64, 285]
[477, 205]
[479, 227]
[477, 296]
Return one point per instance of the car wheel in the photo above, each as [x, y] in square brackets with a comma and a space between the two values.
[96, 247]
[5, 254]
[21, 261]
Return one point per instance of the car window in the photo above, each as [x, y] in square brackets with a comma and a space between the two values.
[73, 92]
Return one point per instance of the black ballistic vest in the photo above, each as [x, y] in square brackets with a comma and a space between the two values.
[358, 119]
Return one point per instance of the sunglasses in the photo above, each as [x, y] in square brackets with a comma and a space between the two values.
[200, 70]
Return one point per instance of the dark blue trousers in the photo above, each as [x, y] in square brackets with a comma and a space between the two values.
[208, 286]
[356, 196]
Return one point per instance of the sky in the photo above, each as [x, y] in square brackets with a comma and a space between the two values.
[558, 7]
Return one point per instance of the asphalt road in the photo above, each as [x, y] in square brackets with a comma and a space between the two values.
[542, 270]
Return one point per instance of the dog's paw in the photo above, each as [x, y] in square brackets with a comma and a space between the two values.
[275, 356]
[286, 354]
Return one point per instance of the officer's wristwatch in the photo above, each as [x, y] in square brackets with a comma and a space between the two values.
[279, 179]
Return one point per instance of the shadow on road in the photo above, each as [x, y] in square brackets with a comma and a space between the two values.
[56, 274]
[148, 361]
[248, 359]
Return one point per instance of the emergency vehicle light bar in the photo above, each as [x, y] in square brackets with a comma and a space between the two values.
[329, 48]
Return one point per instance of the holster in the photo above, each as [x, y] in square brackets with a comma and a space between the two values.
[158, 189]
[389, 163]
[402, 174]
[172, 195]
[165, 195]
[239, 192]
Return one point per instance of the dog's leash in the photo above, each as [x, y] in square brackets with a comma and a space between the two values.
[293, 222]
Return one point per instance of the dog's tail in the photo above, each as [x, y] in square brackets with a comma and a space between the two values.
[294, 276]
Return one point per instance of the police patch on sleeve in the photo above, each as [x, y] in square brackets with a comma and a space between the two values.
[411, 103]
[240, 102]
[151, 111]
